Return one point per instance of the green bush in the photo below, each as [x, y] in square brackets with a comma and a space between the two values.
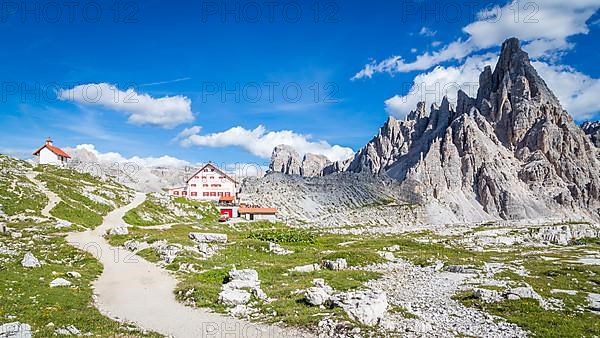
[284, 236]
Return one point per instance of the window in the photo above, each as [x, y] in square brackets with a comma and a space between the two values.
[194, 193]
[213, 194]
[205, 194]
[205, 185]
[195, 176]
[220, 194]
[184, 193]
[176, 193]
[193, 185]
[227, 193]
[212, 177]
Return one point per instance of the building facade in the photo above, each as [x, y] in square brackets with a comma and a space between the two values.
[49, 154]
[208, 183]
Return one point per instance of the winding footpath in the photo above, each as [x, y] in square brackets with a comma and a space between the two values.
[134, 290]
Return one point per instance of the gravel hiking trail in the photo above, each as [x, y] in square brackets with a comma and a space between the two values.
[134, 290]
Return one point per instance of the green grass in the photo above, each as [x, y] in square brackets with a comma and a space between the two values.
[245, 251]
[528, 314]
[26, 296]
[18, 195]
[153, 212]
[73, 188]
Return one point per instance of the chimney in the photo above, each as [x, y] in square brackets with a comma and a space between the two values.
[49, 141]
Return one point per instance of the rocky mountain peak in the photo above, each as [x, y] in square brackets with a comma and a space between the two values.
[512, 152]
[592, 129]
[285, 159]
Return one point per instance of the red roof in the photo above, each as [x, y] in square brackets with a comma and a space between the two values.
[53, 149]
[214, 167]
[226, 198]
[257, 211]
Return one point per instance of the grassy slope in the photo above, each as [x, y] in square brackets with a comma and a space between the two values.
[152, 212]
[25, 294]
[243, 251]
[75, 206]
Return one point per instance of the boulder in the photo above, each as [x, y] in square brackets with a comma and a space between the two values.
[62, 224]
[120, 230]
[487, 296]
[16, 234]
[74, 274]
[3, 228]
[456, 269]
[278, 249]
[208, 237]
[233, 297]
[29, 261]
[59, 282]
[306, 268]
[134, 246]
[366, 307]
[15, 330]
[319, 294]
[316, 296]
[205, 249]
[240, 279]
[68, 331]
[594, 301]
[338, 264]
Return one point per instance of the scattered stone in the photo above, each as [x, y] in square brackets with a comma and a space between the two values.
[456, 269]
[208, 237]
[594, 301]
[59, 282]
[62, 224]
[246, 278]
[233, 297]
[522, 292]
[319, 294]
[68, 331]
[15, 330]
[367, 307]
[386, 255]
[7, 252]
[568, 292]
[135, 246]
[119, 231]
[338, 264]
[487, 296]
[278, 249]
[74, 274]
[29, 261]
[16, 234]
[205, 249]
[306, 268]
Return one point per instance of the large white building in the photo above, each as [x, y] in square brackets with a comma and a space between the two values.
[49, 154]
[208, 183]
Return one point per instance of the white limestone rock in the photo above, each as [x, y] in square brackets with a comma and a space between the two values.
[306, 268]
[60, 224]
[15, 330]
[68, 331]
[233, 297]
[74, 274]
[134, 246]
[594, 301]
[316, 296]
[278, 249]
[338, 264]
[120, 230]
[367, 307]
[208, 237]
[59, 282]
[29, 261]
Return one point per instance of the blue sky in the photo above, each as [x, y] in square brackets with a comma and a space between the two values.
[183, 78]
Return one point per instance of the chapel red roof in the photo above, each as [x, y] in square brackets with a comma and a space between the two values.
[53, 149]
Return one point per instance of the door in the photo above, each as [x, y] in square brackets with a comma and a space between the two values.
[227, 212]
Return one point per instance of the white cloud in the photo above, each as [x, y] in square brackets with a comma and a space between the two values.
[83, 152]
[261, 142]
[187, 132]
[577, 92]
[544, 26]
[425, 31]
[441, 81]
[166, 112]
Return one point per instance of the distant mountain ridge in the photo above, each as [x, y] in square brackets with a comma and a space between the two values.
[512, 152]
